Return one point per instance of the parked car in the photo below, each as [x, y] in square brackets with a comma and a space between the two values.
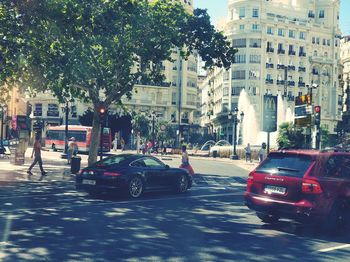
[307, 186]
[132, 174]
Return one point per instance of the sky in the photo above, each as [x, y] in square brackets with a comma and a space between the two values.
[218, 9]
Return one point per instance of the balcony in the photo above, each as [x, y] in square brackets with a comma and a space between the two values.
[269, 81]
[280, 82]
[291, 67]
[301, 69]
[302, 54]
[268, 65]
[291, 83]
[281, 51]
[280, 66]
[53, 113]
[301, 84]
[291, 52]
[270, 50]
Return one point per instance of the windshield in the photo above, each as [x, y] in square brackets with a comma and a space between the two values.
[285, 164]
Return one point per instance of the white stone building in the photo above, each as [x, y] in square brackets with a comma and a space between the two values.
[283, 47]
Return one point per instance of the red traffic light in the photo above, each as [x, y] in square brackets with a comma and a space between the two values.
[317, 109]
[102, 110]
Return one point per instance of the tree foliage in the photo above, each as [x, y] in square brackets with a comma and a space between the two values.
[290, 137]
[96, 50]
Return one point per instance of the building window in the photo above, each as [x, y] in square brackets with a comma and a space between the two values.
[321, 15]
[225, 91]
[52, 110]
[236, 43]
[311, 14]
[255, 27]
[328, 42]
[173, 98]
[291, 34]
[268, 77]
[238, 74]
[241, 27]
[255, 59]
[38, 110]
[317, 40]
[255, 12]
[240, 59]
[313, 40]
[324, 41]
[254, 74]
[280, 32]
[269, 30]
[74, 111]
[302, 35]
[241, 12]
[255, 43]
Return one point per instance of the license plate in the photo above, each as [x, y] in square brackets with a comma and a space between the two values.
[274, 190]
[89, 182]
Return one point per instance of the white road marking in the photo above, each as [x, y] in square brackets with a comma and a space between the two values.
[109, 202]
[333, 248]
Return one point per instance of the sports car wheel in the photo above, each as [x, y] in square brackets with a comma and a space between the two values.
[182, 184]
[135, 188]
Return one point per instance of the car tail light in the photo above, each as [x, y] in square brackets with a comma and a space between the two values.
[111, 174]
[250, 181]
[310, 186]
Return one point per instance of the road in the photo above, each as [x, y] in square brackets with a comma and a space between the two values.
[49, 220]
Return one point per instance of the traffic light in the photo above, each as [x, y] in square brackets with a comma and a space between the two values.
[317, 115]
[103, 113]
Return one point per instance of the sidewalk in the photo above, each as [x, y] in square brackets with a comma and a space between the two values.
[58, 170]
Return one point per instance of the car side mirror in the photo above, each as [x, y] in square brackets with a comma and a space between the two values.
[167, 166]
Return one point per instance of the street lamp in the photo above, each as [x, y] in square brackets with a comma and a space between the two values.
[234, 116]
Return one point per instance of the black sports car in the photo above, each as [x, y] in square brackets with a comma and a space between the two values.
[132, 174]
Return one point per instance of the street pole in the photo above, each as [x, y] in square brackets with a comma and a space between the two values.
[153, 133]
[66, 129]
[2, 124]
[268, 142]
[101, 140]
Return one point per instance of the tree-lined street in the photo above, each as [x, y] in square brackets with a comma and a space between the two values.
[49, 220]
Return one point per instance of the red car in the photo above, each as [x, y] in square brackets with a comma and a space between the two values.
[303, 185]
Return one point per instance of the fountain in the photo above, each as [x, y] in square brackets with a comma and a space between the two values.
[251, 128]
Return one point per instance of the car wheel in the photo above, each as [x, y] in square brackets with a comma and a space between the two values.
[337, 217]
[267, 218]
[182, 184]
[135, 188]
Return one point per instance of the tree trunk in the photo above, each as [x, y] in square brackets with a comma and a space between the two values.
[95, 137]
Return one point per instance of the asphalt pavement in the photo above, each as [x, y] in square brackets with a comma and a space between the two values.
[46, 219]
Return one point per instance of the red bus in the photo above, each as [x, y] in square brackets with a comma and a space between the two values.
[55, 135]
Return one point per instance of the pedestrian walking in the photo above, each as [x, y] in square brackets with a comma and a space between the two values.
[72, 149]
[36, 153]
[248, 153]
[115, 144]
[122, 144]
[262, 152]
[185, 163]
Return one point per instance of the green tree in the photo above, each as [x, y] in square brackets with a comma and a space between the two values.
[96, 50]
[289, 136]
[10, 45]
[142, 125]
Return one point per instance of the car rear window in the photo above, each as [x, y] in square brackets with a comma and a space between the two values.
[111, 161]
[283, 164]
